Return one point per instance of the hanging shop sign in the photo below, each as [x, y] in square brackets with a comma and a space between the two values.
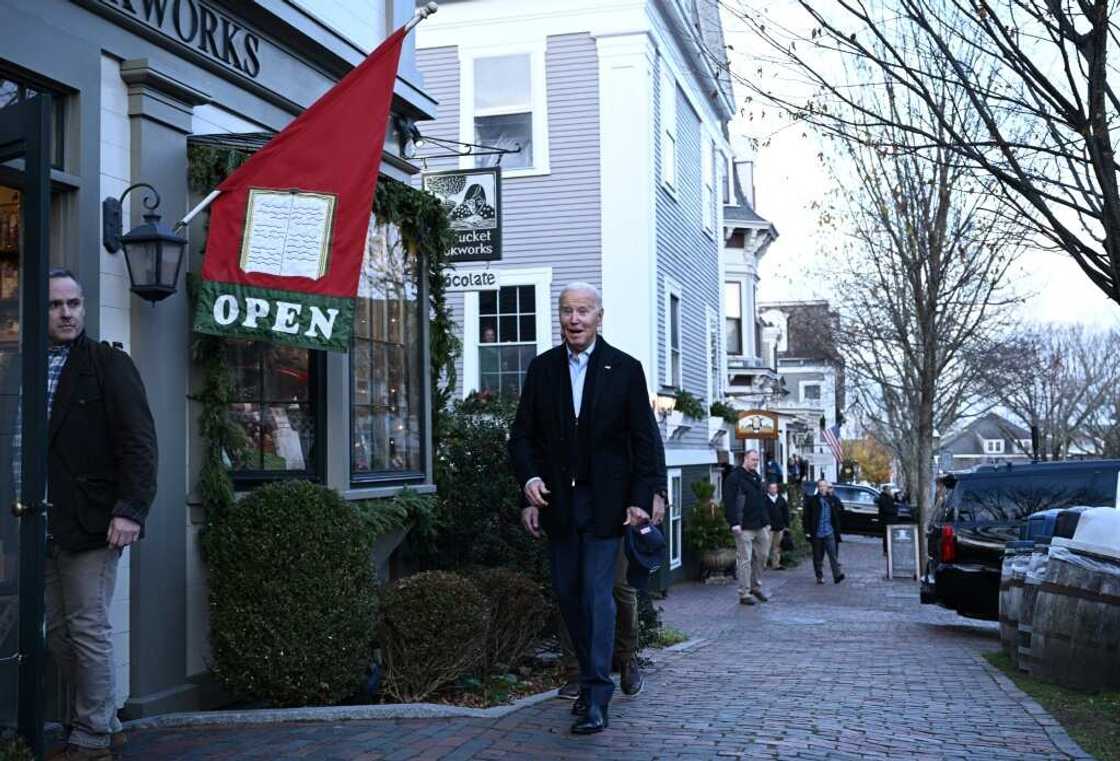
[289, 228]
[757, 424]
[462, 280]
[473, 199]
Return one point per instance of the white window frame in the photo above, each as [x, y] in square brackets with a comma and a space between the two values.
[712, 352]
[539, 102]
[538, 277]
[994, 446]
[675, 518]
[806, 384]
[727, 181]
[673, 288]
[669, 143]
[715, 477]
[707, 183]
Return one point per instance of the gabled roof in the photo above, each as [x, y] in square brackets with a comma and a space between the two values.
[989, 422]
[706, 13]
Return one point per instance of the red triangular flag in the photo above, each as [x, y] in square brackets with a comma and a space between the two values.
[288, 232]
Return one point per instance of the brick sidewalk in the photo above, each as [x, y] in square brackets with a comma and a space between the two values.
[859, 670]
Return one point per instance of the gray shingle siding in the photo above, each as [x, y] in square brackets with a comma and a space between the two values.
[551, 220]
[687, 254]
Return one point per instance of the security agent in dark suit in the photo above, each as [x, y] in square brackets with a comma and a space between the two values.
[584, 448]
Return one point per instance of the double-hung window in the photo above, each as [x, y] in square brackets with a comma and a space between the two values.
[675, 368]
[504, 106]
[675, 518]
[668, 117]
[733, 298]
[507, 337]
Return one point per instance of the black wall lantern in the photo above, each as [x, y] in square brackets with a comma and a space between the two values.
[152, 251]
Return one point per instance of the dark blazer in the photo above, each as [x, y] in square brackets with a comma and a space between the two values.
[624, 456]
[888, 510]
[779, 513]
[101, 446]
[744, 500]
[812, 517]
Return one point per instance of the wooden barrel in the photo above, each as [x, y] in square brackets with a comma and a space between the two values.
[1015, 560]
[1033, 577]
[1076, 629]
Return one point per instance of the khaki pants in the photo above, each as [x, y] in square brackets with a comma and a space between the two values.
[776, 548]
[751, 549]
[78, 590]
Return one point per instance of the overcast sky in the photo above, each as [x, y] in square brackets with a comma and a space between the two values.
[789, 177]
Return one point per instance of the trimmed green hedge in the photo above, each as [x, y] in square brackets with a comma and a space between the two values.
[292, 596]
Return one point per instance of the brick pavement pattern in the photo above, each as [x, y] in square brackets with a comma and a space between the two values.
[858, 670]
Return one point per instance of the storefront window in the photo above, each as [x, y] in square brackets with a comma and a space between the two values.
[275, 402]
[507, 336]
[14, 91]
[386, 389]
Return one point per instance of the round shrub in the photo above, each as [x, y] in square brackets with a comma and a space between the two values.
[519, 613]
[432, 631]
[292, 596]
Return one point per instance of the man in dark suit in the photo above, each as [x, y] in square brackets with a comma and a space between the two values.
[101, 480]
[823, 514]
[585, 448]
[779, 523]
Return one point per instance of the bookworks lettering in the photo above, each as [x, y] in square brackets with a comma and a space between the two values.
[194, 23]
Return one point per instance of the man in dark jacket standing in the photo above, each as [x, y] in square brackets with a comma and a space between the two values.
[101, 480]
[888, 513]
[779, 523]
[744, 503]
[822, 526]
[583, 450]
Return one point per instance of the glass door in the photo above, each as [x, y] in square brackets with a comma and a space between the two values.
[24, 238]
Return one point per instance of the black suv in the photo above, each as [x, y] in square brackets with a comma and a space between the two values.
[861, 509]
[977, 512]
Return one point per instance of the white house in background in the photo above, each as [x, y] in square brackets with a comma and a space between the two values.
[797, 341]
[621, 182]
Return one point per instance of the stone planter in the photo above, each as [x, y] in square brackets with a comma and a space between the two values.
[717, 566]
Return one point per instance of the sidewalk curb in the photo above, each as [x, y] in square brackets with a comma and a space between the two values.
[328, 714]
[1053, 729]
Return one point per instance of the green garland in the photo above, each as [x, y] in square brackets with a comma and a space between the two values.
[426, 231]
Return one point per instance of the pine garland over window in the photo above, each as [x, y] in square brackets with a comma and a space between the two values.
[427, 234]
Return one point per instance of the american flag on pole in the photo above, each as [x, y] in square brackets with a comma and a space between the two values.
[832, 438]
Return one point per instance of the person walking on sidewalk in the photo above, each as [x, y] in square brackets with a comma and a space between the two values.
[822, 527]
[779, 523]
[888, 513]
[583, 450]
[101, 481]
[744, 502]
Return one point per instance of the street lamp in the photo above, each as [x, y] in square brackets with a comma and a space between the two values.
[153, 252]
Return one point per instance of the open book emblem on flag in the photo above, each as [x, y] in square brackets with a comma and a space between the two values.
[288, 233]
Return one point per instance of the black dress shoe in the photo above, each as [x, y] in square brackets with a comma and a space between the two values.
[579, 708]
[632, 678]
[839, 578]
[595, 720]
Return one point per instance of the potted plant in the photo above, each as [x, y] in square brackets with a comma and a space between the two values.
[706, 532]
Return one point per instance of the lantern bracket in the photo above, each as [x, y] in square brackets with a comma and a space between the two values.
[112, 217]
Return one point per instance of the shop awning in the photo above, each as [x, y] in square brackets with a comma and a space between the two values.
[249, 142]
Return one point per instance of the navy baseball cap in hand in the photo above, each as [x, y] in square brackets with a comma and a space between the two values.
[645, 547]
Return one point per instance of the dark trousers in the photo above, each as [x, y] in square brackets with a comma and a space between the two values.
[583, 570]
[820, 547]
